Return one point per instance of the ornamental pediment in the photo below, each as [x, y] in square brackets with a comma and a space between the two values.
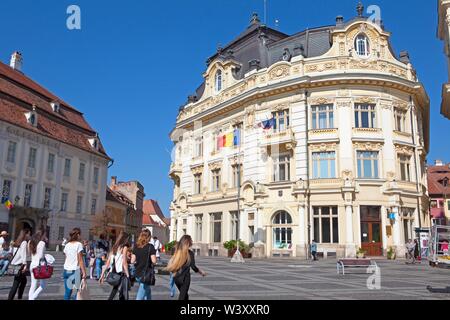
[368, 146]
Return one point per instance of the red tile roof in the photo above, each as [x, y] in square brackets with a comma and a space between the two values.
[147, 220]
[19, 93]
[118, 197]
[151, 207]
[436, 174]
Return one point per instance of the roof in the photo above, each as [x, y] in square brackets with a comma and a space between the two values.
[118, 197]
[436, 176]
[151, 207]
[147, 220]
[18, 95]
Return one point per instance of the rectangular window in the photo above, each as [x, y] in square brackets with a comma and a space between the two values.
[215, 180]
[326, 225]
[198, 183]
[67, 167]
[234, 219]
[365, 116]
[324, 165]
[79, 203]
[47, 198]
[28, 195]
[61, 233]
[408, 224]
[281, 168]
[199, 147]
[96, 175]
[216, 227]
[32, 158]
[400, 119]
[237, 130]
[64, 199]
[405, 167]
[281, 120]
[51, 163]
[12, 147]
[81, 172]
[237, 176]
[322, 116]
[198, 227]
[94, 206]
[367, 164]
[6, 190]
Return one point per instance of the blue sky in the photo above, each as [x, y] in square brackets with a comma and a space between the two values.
[134, 62]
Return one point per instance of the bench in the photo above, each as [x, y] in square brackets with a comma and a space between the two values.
[342, 264]
[325, 253]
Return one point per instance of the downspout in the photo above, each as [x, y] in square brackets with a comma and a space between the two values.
[308, 200]
[413, 133]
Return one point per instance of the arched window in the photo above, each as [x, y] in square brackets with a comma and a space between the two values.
[282, 230]
[362, 46]
[218, 80]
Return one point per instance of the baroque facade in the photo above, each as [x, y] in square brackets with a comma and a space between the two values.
[53, 167]
[342, 162]
[444, 35]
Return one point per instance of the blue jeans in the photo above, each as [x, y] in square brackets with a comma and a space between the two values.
[72, 280]
[172, 286]
[98, 267]
[144, 292]
[4, 266]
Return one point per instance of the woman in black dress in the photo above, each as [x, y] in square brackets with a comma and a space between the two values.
[181, 264]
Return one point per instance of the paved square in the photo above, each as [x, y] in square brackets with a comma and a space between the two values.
[286, 279]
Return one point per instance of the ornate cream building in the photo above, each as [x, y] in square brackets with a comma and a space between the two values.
[444, 35]
[343, 163]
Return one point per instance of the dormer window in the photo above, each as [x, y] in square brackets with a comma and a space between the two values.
[218, 81]
[32, 117]
[362, 46]
[94, 142]
[55, 107]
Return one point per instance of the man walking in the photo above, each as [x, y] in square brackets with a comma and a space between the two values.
[157, 244]
[313, 249]
[411, 248]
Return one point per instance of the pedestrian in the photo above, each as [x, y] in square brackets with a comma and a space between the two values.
[91, 262]
[3, 237]
[36, 247]
[5, 258]
[410, 248]
[172, 285]
[74, 269]
[101, 252]
[19, 264]
[145, 260]
[181, 264]
[64, 242]
[313, 249]
[417, 250]
[157, 245]
[118, 263]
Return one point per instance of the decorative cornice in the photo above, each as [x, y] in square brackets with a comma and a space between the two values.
[323, 147]
[369, 100]
[321, 101]
[368, 146]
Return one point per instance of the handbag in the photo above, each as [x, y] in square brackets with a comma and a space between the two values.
[149, 273]
[43, 271]
[83, 293]
[113, 278]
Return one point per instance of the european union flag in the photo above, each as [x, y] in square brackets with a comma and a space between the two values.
[268, 124]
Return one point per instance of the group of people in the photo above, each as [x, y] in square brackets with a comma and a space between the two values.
[121, 265]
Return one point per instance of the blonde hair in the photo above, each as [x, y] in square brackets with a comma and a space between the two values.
[144, 238]
[181, 256]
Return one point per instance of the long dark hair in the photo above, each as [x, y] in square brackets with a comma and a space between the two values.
[35, 239]
[24, 235]
[122, 241]
[75, 235]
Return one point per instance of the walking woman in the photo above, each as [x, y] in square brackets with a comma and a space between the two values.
[181, 264]
[145, 259]
[118, 263]
[36, 248]
[74, 269]
[19, 264]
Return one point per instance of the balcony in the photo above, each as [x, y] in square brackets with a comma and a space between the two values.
[286, 138]
[175, 169]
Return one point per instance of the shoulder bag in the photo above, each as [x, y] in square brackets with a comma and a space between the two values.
[113, 278]
[149, 273]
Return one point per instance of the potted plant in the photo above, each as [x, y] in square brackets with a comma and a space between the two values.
[170, 248]
[231, 246]
[361, 254]
[391, 255]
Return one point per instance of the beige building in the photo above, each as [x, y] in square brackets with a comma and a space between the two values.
[444, 35]
[341, 159]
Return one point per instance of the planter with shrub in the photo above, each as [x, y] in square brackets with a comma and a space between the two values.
[231, 246]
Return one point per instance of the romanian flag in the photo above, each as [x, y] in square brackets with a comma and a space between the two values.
[229, 140]
[8, 204]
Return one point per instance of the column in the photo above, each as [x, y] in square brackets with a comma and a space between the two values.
[301, 231]
[350, 248]
[243, 231]
[396, 229]
[190, 226]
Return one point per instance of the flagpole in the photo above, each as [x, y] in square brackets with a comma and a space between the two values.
[237, 258]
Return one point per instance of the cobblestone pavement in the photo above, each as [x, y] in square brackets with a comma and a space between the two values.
[286, 279]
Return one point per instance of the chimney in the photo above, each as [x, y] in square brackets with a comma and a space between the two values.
[339, 21]
[438, 163]
[113, 181]
[404, 57]
[16, 61]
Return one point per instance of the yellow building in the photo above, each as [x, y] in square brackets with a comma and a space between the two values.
[444, 35]
[341, 159]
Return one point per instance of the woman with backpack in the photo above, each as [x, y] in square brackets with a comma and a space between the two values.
[117, 265]
[181, 264]
[145, 259]
[74, 269]
[36, 247]
[19, 264]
